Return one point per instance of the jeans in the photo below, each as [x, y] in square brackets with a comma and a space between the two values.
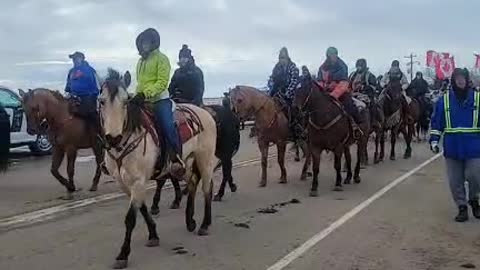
[165, 124]
[460, 171]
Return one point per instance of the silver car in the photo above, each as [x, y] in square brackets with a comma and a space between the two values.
[19, 137]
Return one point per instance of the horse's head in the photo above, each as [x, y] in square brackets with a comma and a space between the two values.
[242, 101]
[303, 93]
[114, 102]
[36, 106]
[393, 90]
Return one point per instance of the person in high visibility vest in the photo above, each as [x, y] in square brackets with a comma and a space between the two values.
[456, 118]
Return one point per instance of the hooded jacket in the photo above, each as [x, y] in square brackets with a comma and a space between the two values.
[187, 84]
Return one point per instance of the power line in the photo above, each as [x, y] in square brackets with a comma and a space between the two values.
[411, 63]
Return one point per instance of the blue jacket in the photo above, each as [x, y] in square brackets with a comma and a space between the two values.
[82, 81]
[458, 123]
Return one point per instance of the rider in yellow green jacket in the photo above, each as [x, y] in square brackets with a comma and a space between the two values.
[153, 74]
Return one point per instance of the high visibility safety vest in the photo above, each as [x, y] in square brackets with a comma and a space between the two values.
[448, 122]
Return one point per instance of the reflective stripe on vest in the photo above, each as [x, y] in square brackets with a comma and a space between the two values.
[448, 122]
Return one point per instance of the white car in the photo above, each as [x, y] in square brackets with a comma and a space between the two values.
[19, 137]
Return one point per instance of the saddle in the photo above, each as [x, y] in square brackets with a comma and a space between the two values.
[187, 122]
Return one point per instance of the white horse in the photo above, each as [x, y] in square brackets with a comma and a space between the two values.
[132, 152]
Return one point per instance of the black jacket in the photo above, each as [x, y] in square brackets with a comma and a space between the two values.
[417, 88]
[187, 85]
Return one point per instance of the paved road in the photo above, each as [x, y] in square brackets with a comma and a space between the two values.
[407, 225]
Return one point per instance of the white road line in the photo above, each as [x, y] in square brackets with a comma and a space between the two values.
[51, 212]
[289, 258]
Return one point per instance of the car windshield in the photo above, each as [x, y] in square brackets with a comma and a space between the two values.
[9, 99]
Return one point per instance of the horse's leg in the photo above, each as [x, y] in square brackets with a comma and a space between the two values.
[130, 221]
[205, 169]
[361, 152]
[178, 194]
[192, 190]
[99, 156]
[263, 145]
[393, 141]
[315, 156]
[376, 155]
[408, 134]
[152, 230]
[338, 169]
[221, 191]
[227, 173]
[281, 148]
[297, 152]
[348, 165]
[383, 133]
[156, 198]
[306, 166]
[57, 158]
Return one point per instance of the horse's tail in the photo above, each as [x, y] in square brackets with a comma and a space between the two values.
[4, 143]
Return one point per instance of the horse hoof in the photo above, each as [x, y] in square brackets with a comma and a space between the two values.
[202, 232]
[233, 188]
[262, 184]
[152, 243]
[217, 198]
[392, 158]
[357, 180]
[313, 193]
[303, 177]
[191, 226]
[347, 182]
[338, 188]
[68, 197]
[120, 264]
[154, 211]
[93, 189]
[282, 181]
[174, 205]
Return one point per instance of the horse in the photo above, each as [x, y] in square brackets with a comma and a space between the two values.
[391, 104]
[329, 128]
[227, 145]
[271, 124]
[422, 125]
[4, 139]
[66, 132]
[133, 147]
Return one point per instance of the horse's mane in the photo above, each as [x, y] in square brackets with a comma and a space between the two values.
[135, 114]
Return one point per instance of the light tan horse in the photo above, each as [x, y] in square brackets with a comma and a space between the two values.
[271, 124]
[132, 154]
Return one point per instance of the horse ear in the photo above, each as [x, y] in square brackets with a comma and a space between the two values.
[21, 93]
[127, 79]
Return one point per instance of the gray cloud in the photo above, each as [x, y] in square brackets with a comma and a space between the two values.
[235, 42]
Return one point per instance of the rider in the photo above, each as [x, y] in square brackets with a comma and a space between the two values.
[283, 82]
[187, 82]
[418, 88]
[403, 79]
[333, 76]
[456, 118]
[82, 83]
[362, 80]
[153, 71]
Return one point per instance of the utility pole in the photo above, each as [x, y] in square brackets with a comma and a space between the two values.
[411, 63]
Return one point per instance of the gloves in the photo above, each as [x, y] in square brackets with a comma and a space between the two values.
[138, 99]
[434, 147]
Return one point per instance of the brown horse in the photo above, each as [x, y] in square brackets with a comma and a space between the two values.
[66, 132]
[329, 128]
[271, 124]
[391, 103]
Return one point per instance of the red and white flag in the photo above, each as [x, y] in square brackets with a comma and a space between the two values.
[440, 65]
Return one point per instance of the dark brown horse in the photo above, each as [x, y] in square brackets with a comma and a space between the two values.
[271, 124]
[66, 132]
[329, 128]
[4, 139]
[392, 106]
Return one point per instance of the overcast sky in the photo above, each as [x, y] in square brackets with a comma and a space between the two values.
[233, 41]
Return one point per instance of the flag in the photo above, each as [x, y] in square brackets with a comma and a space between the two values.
[445, 67]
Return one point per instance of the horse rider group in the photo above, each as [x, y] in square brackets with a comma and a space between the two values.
[333, 77]
[187, 85]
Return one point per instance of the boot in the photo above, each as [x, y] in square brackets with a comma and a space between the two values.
[177, 166]
[462, 214]
[475, 208]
